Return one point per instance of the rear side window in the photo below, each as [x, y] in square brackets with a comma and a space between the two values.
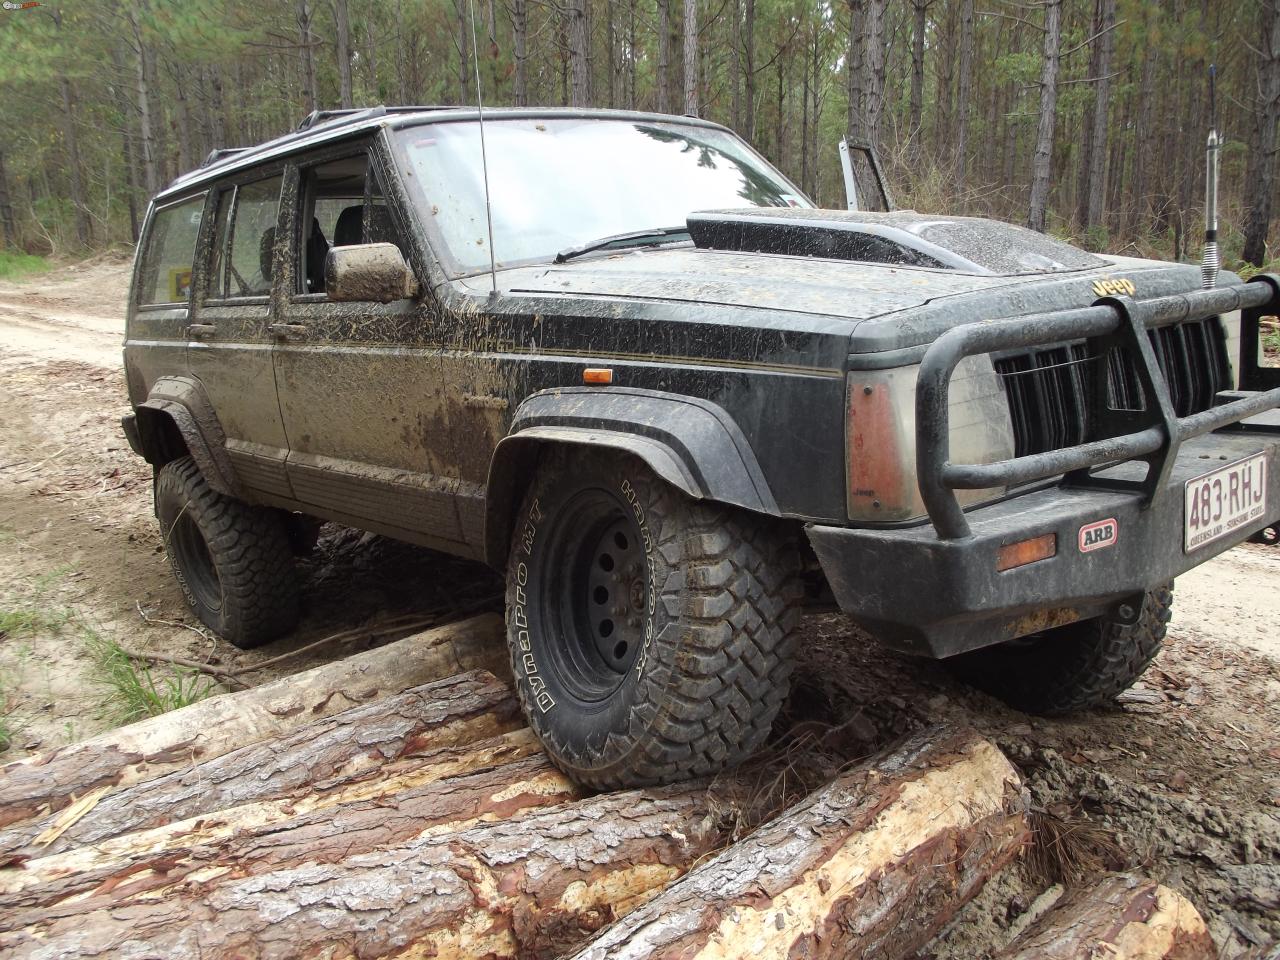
[171, 244]
[244, 240]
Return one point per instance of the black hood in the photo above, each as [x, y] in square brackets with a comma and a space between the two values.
[964, 244]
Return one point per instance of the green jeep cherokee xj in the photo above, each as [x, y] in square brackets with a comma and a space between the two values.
[669, 397]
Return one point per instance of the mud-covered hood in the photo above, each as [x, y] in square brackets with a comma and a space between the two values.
[854, 291]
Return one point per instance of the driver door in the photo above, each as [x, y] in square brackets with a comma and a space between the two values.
[358, 381]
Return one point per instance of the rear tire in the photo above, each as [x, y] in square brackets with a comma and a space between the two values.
[1075, 667]
[232, 560]
[650, 634]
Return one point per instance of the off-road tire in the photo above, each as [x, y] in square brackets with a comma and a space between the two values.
[1071, 668]
[717, 596]
[232, 560]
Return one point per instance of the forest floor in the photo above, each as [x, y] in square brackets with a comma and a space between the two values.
[1184, 774]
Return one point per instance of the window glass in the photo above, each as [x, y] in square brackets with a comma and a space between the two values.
[335, 198]
[556, 183]
[171, 244]
[216, 284]
[253, 233]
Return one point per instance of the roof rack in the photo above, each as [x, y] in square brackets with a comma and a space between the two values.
[219, 153]
[317, 117]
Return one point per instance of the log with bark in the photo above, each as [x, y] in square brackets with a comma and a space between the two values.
[873, 865]
[1121, 918]
[352, 751]
[38, 785]
[881, 858]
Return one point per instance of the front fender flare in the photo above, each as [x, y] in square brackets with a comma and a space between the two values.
[691, 443]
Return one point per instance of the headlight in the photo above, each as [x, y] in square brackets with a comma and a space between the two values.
[880, 449]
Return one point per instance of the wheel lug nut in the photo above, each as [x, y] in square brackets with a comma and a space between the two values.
[618, 610]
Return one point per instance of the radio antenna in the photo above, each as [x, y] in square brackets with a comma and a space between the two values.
[484, 156]
[1211, 260]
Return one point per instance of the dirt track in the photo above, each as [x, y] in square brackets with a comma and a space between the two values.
[1186, 773]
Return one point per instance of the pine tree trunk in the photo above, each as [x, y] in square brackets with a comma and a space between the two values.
[1093, 195]
[664, 56]
[520, 49]
[1261, 172]
[530, 887]
[871, 866]
[919, 25]
[146, 141]
[7, 221]
[305, 13]
[355, 744]
[71, 138]
[579, 54]
[691, 58]
[1042, 162]
[965, 92]
[342, 49]
[1121, 918]
[36, 786]
[749, 54]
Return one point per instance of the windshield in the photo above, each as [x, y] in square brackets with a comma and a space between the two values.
[557, 183]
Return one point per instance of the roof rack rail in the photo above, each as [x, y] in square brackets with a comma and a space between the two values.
[317, 117]
[217, 153]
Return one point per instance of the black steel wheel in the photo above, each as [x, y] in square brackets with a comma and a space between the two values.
[649, 633]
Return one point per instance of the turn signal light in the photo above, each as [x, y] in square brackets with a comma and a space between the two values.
[597, 375]
[1026, 551]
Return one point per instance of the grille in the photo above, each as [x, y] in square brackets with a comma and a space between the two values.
[1051, 390]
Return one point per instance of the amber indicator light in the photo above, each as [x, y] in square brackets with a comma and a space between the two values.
[597, 375]
[1026, 551]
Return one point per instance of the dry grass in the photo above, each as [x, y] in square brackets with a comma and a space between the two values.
[1070, 850]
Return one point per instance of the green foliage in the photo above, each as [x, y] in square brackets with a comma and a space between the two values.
[135, 690]
[14, 265]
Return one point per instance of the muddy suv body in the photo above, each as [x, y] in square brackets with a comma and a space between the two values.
[983, 443]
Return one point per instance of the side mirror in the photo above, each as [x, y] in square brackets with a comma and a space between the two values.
[368, 271]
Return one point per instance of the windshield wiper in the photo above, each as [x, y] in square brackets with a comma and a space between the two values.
[656, 235]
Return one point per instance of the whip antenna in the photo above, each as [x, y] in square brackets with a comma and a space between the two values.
[1211, 261]
[484, 156]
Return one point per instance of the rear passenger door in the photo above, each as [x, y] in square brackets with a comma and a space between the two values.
[357, 380]
[230, 344]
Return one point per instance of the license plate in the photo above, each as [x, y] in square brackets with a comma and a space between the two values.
[1225, 500]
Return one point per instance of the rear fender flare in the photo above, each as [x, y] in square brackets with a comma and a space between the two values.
[183, 402]
[692, 444]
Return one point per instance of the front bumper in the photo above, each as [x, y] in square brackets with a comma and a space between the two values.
[940, 597]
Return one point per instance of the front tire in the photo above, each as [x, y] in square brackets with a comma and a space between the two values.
[232, 560]
[1074, 667]
[649, 633]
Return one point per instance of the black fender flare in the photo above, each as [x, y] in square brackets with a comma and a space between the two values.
[691, 443]
[182, 401]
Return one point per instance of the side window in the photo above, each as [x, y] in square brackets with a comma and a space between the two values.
[252, 234]
[343, 206]
[171, 244]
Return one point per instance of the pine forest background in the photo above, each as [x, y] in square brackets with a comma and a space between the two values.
[1084, 117]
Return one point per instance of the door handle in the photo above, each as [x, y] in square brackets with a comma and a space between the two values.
[287, 331]
[201, 329]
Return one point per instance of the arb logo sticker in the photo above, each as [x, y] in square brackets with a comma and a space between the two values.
[1101, 533]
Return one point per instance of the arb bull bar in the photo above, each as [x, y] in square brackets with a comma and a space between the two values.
[1153, 434]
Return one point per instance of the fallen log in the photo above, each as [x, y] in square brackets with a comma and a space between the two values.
[45, 783]
[942, 814]
[1121, 918]
[322, 757]
[873, 865]
[532, 887]
[510, 777]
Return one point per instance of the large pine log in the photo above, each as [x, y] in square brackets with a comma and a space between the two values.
[531, 886]
[45, 783]
[321, 759]
[873, 865]
[942, 814]
[1121, 918]
[505, 781]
